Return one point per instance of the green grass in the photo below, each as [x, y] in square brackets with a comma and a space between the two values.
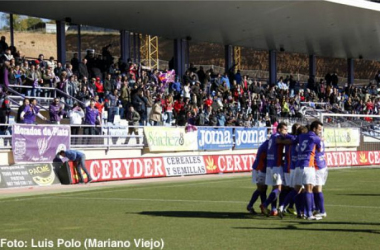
[207, 214]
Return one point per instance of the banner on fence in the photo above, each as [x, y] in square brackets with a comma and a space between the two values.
[27, 175]
[184, 165]
[124, 169]
[38, 143]
[228, 163]
[352, 158]
[168, 139]
[248, 138]
[341, 137]
[215, 138]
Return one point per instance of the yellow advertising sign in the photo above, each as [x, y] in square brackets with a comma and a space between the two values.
[341, 137]
[168, 139]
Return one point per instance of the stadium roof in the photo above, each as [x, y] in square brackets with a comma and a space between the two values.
[331, 28]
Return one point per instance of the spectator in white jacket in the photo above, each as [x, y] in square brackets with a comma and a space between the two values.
[76, 117]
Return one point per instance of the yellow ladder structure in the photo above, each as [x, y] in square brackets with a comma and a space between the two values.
[149, 50]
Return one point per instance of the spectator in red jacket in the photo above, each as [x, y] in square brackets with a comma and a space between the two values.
[179, 105]
[99, 89]
[208, 101]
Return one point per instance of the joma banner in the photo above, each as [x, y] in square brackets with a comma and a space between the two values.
[249, 137]
[38, 143]
[215, 138]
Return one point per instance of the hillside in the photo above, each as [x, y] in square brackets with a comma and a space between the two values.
[32, 44]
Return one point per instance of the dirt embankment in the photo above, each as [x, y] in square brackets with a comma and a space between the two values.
[32, 44]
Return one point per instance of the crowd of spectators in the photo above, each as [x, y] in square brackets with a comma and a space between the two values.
[97, 89]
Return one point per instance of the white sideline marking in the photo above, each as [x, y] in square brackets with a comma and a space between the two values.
[133, 188]
[191, 201]
[130, 188]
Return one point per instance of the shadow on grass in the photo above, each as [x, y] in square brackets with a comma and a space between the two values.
[294, 228]
[203, 214]
[339, 223]
[364, 195]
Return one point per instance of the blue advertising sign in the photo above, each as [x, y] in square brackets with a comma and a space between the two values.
[215, 138]
[249, 137]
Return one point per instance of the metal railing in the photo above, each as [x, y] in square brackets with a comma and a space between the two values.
[90, 136]
[44, 100]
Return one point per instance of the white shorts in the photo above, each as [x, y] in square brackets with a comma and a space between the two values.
[258, 177]
[274, 176]
[321, 176]
[296, 177]
[308, 176]
[292, 173]
[287, 179]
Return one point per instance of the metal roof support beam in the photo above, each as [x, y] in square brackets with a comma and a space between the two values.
[125, 46]
[229, 57]
[11, 29]
[312, 66]
[79, 38]
[61, 42]
[135, 47]
[350, 69]
[272, 67]
[179, 56]
[138, 49]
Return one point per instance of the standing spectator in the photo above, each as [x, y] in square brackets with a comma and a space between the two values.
[334, 80]
[111, 105]
[33, 79]
[125, 96]
[91, 118]
[149, 101]
[75, 62]
[108, 85]
[20, 109]
[59, 69]
[133, 118]
[84, 96]
[76, 118]
[168, 108]
[51, 64]
[69, 69]
[178, 106]
[41, 61]
[139, 103]
[4, 75]
[99, 88]
[226, 80]
[82, 68]
[28, 115]
[3, 45]
[7, 56]
[156, 112]
[56, 112]
[5, 111]
[49, 81]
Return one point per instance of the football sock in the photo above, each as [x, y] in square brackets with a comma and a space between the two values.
[321, 200]
[254, 197]
[309, 204]
[272, 197]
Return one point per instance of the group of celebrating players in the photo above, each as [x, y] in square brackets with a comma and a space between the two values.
[294, 165]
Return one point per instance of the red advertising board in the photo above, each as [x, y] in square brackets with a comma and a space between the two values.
[228, 163]
[124, 169]
[352, 158]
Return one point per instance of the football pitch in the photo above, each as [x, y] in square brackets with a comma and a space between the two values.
[201, 214]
